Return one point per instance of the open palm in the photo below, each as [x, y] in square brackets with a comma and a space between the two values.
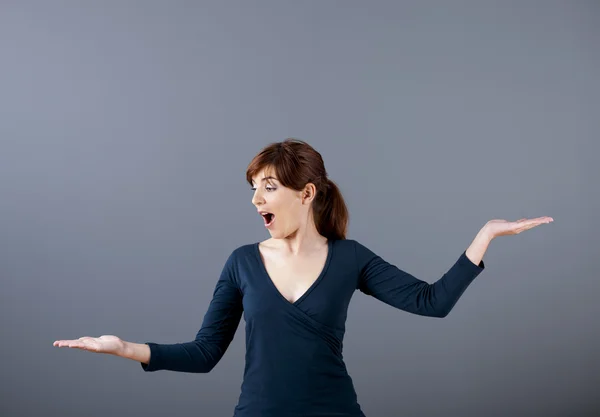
[103, 344]
[500, 227]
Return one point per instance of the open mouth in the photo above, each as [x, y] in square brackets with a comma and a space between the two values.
[268, 218]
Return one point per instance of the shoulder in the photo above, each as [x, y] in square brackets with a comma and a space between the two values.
[352, 245]
[241, 251]
[353, 249]
[361, 253]
[344, 244]
[237, 260]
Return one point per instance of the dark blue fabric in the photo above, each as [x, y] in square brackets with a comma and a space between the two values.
[294, 362]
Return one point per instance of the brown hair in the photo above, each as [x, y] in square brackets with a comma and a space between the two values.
[296, 163]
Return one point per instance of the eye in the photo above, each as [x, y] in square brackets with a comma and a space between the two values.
[266, 188]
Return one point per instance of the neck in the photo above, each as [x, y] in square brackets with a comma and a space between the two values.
[305, 239]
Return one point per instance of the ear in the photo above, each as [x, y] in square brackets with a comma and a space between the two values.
[308, 193]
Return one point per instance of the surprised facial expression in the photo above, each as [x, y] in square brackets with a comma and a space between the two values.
[280, 207]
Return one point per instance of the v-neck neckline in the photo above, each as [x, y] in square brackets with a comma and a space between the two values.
[313, 285]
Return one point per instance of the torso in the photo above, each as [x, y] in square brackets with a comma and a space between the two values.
[294, 308]
[292, 275]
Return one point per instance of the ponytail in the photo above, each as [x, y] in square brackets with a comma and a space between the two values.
[331, 213]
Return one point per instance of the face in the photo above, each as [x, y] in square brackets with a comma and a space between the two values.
[288, 209]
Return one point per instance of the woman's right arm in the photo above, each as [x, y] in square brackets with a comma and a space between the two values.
[212, 340]
[198, 356]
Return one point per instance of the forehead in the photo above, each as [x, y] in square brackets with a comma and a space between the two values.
[264, 175]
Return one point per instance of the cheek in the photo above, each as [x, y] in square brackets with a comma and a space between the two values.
[286, 207]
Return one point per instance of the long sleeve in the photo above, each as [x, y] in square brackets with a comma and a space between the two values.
[400, 289]
[216, 332]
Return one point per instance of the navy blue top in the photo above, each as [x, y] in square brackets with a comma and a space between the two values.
[294, 364]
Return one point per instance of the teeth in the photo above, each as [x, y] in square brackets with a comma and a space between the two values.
[268, 217]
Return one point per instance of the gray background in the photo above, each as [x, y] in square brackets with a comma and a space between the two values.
[126, 129]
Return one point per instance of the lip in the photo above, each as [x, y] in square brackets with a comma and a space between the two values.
[272, 221]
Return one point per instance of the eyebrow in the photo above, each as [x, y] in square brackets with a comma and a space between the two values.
[267, 178]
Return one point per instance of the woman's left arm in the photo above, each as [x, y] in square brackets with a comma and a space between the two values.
[400, 289]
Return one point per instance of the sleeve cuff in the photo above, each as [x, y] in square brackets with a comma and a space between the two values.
[154, 358]
[466, 262]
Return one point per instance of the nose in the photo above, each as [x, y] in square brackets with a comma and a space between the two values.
[257, 198]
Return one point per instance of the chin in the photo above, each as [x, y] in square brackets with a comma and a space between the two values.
[276, 235]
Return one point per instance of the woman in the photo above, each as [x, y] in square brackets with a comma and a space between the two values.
[294, 290]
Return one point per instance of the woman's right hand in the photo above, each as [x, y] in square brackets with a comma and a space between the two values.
[104, 344]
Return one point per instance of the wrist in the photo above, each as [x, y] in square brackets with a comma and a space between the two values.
[486, 234]
[125, 350]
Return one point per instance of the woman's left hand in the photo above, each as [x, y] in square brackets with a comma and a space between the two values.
[498, 227]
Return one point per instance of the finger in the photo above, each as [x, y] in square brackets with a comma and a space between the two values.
[543, 219]
[531, 225]
[83, 346]
[69, 343]
[522, 227]
[65, 342]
